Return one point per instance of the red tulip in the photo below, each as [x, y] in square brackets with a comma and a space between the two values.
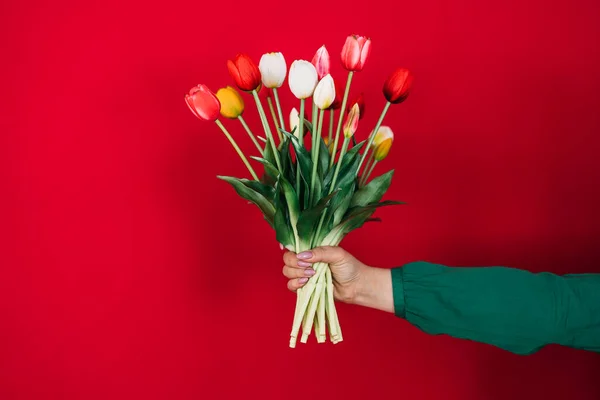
[397, 86]
[360, 100]
[321, 62]
[339, 94]
[203, 103]
[355, 52]
[244, 72]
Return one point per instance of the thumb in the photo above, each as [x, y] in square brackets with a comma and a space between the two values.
[325, 254]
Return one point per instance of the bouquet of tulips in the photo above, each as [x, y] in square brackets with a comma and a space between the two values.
[312, 191]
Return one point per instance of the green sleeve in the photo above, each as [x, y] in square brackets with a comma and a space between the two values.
[513, 309]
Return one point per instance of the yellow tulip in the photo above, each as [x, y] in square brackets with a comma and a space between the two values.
[382, 150]
[232, 104]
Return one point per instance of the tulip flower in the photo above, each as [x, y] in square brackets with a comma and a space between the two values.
[354, 55]
[324, 94]
[244, 72]
[384, 133]
[395, 89]
[294, 121]
[272, 68]
[302, 79]
[397, 86]
[360, 100]
[203, 103]
[355, 52]
[322, 62]
[232, 104]
[352, 121]
[232, 107]
[382, 143]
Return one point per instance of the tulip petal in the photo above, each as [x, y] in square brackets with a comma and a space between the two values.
[364, 53]
[350, 53]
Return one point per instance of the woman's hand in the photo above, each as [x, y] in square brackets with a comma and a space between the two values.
[353, 281]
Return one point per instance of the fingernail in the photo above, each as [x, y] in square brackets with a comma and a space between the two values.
[305, 255]
[304, 264]
[303, 280]
[309, 272]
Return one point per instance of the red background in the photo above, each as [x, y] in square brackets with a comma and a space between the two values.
[129, 271]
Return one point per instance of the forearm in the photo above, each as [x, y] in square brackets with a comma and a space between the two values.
[374, 289]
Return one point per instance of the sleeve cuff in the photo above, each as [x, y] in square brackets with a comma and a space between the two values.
[398, 292]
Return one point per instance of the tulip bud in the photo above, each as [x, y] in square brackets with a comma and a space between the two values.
[382, 142]
[321, 62]
[360, 100]
[355, 52]
[244, 72]
[232, 104]
[324, 93]
[397, 86]
[294, 120]
[328, 145]
[203, 103]
[302, 79]
[272, 69]
[351, 123]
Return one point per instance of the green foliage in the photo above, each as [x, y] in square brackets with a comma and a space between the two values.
[299, 219]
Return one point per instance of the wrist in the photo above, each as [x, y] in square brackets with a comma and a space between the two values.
[374, 289]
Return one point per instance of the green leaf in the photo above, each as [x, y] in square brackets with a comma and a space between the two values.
[308, 125]
[374, 191]
[355, 219]
[291, 199]
[303, 158]
[309, 219]
[371, 207]
[253, 196]
[266, 190]
[324, 158]
[283, 229]
[269, 167]
[347, 225]
[342, 205]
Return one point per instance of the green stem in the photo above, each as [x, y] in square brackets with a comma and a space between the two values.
[331, 117]
[267, 129]
[237, 149]
[333, 182]
[341, 117]
[364, 173]
[281, 122]
[372, 136]
[279, 134]
[301, 139]
[339, 164]
[247, 128]
[368, 174]
[316, 146]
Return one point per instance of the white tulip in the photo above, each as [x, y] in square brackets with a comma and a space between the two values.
[302, 79]
[294, 120]
[324, 93]
[272, 68]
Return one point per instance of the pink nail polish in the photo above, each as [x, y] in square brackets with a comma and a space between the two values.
[309, 272]
[303, 280]
[304, 264]
[305, 255]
